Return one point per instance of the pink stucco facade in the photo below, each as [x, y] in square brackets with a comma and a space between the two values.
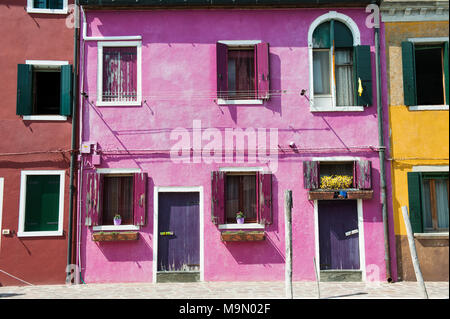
[179, 87]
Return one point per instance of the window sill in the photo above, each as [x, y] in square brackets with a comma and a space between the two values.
[44, 118]
[39, 233]
[124, 103]
[239, 102]
[443, 235]
[116, 228]
[337, 109]
[48, 11]
[242, 226]
[428, 108]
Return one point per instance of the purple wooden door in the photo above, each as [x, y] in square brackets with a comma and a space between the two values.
[178, 232]
[338, 235]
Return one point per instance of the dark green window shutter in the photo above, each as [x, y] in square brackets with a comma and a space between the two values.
[363, 72]
[66, 90]
[447, 89]
[55, 4]
[409, 73]
[24, 89]
[415, 201]
[42, 203]
[40, 4]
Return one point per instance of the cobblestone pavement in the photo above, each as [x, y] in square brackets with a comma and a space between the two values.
[228, 290]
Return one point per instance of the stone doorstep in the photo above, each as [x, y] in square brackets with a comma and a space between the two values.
[341, 275]
[178, 276]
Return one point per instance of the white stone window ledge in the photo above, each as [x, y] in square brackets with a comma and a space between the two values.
[242, 226]
[114, 227]
[44, 118]
[428, 108]
[443, 235]
[337, 109]
[239, 102]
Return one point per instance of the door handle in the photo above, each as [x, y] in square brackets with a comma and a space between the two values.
[166, 233]
[351, 232]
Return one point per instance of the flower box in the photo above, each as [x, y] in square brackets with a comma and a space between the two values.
[329, 194]
[115, 236]
[242, 235]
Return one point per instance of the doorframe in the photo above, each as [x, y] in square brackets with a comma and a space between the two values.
[362, 255]
[177, 189]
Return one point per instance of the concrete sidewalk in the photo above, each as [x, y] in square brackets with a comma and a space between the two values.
[228, 290]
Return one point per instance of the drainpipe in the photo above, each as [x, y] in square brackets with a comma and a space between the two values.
[73, 143]
[381, 154]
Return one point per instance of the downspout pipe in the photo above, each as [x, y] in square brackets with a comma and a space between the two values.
[381, 153]
[74, 153]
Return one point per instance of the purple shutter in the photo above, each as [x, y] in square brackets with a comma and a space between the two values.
[363, 174]
[140, 199]
[93, 199]
[311, 174]
[264, 197]
[218, 197]
[222, 70]
[262, 69]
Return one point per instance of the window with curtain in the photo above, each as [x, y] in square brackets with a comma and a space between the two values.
[117, 199]
[241, 74]
[435, 204]
[119, 74]
[333, 72]
[240, 195]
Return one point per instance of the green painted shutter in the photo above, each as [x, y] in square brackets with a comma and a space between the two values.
[24, 89]
[447, 89]
[409, 73]
[66, 90]
[363, 72]
[42, 203]
[415, 201]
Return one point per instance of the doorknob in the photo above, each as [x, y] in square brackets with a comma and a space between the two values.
[166, 233]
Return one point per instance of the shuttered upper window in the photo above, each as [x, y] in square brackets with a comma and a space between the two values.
[119, 73]
[242, 72]
[340, 68]
[44, 88]
[425, 73]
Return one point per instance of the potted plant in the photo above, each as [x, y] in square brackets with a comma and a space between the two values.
[117, 219]
[240, 217]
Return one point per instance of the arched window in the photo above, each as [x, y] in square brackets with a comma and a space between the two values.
[340, 67]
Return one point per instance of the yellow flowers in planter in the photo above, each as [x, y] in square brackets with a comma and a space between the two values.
[336, 182]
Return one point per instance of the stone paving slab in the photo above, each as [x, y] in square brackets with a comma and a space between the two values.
[228, 290]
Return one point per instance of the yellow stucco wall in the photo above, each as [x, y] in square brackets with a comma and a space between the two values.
[417, 137]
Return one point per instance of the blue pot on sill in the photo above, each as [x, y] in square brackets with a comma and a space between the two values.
[343, 194]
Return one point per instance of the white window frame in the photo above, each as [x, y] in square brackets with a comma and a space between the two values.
[117, 171]
[23, 193]
[242, 170]
[31, 9]
[327, 103]
[45, 64]
[100, 46]
[429, 40]
[237, 44]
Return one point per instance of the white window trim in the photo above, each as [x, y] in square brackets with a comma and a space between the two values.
[23, 192]
[44, 117]
[158, 189]
[100, 46]
[332, 15]
[31, 9]
[431, 168]
[237, 44]
[429, 40]
[242, 226]
[115, 227]
[118, 170]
